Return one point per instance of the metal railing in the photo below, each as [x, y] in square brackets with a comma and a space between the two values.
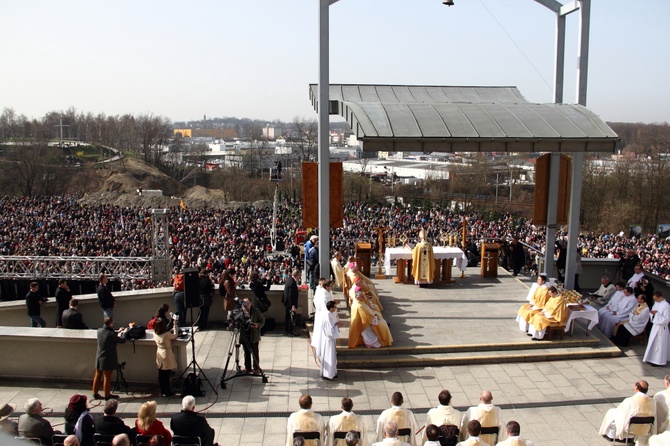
[74, 267]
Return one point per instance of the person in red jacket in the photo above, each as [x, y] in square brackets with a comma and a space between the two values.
[147, 424]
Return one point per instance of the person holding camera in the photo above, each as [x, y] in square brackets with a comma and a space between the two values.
[165, 359]
[256, 320]
[260, 286]
[106, 359]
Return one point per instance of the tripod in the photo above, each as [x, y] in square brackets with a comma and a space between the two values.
[237, 336]
[120, 379]
[194, 362]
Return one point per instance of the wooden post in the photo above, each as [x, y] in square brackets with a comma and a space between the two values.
[382, 245]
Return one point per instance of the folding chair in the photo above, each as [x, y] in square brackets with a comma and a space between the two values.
[637, 423]
[181, 440]
[492, 430]
[58, 439]
[309, 435]
[405, 432]
[340, 435]
[102, 440]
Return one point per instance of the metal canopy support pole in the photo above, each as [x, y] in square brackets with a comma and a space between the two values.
[323, 129]
[578, 158]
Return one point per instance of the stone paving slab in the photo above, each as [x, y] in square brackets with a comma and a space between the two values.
[556, 402]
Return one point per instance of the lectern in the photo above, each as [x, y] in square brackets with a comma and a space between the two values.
[489, 265]
[363, 254]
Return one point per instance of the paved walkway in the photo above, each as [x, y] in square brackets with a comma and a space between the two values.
[556, 403]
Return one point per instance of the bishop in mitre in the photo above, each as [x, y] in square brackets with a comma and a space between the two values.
[423, 261]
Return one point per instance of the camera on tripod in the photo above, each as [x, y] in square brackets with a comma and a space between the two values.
[239, 319]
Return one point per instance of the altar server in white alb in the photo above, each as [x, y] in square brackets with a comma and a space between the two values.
[634, 325]
[322, 295]
[662, 400]
[659, 344]
[617, 420]
[330, 333]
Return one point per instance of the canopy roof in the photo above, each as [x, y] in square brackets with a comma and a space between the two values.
[409, 118]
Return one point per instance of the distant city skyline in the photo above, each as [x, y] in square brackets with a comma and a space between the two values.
[256, 58]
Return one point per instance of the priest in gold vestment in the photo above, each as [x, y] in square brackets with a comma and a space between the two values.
[404, 418]
[305, 420]
[555, 312]
[345, 422]
[423, 261]
[537, 302]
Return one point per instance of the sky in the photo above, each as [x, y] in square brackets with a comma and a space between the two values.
[256, 58]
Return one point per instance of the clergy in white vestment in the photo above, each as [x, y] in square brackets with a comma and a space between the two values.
[345, 422]
[305, 420]
[474, 429]
[338, 270]
[486, 413]
[619, 308]
[330, 334]
[662, 400]
[322, 295]
[636, 278]
[635, 324]
[443, 414]
[616, 420]
[403, 418]
[391, 436]
[603, 294]
[659, 342]
[514, 436]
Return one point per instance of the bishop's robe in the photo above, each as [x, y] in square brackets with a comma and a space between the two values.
[362, 317]
[338, 272]
[369, 291]
[423, 263]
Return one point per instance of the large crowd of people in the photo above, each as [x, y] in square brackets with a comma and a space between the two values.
[240, 238]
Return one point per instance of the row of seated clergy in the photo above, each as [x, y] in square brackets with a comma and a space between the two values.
[621, 304]
[555, 312]
[537, 297]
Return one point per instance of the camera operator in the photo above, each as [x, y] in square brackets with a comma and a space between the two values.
[627, 264]
[252, 331]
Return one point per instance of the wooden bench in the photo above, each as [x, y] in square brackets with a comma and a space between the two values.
[555, 329]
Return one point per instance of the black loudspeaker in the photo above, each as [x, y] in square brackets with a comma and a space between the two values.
[191, 288]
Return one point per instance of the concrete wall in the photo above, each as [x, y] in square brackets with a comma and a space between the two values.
[139, 306]
[69, 355]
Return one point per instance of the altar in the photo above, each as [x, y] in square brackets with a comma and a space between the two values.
[445, 258]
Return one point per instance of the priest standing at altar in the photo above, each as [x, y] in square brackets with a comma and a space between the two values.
[423, 261]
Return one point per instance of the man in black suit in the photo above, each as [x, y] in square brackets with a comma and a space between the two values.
[63, 297]
[73, 318]
[290, 301]
[109, 423]
[105, 297]
[187, 423]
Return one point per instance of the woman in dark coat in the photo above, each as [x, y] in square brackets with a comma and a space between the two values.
[259, 286]
[78, 421]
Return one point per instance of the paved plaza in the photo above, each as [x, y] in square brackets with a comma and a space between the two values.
[556, 402]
